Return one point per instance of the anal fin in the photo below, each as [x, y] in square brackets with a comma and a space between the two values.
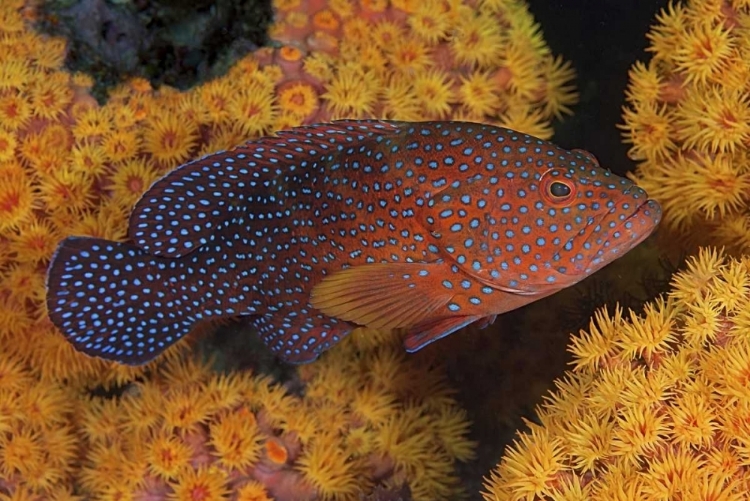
[298, 339]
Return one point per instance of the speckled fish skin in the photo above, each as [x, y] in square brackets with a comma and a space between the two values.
[426, 226]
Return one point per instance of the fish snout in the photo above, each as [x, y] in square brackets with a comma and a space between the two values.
[651, 210]
[638, 226]
[631, 231]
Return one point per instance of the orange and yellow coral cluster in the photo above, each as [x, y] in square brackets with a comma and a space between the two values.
[657, 406]
[362, 418]
[72, 166]
[480, 60]
[38, 439]
[687, 119]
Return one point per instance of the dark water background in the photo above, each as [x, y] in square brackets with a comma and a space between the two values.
[602, 39]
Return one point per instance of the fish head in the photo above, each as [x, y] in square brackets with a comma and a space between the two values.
[542, 226]
[595, 217]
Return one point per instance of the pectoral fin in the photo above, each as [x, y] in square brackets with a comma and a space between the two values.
[383, 295]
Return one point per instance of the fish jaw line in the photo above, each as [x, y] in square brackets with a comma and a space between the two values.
[637, 226]
[546, 291]
[541, 289]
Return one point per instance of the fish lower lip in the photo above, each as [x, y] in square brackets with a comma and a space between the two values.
[650, 214]
[649, 209]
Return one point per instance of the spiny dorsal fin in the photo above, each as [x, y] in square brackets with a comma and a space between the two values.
[588, 155]
[182, 209]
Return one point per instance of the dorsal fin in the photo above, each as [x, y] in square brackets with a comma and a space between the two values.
[182, 209]
[586, 154]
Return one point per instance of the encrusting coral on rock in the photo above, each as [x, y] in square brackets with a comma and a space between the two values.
[657, 406]
[687, 119]
[363, 417]
[437, 59]
[172, 429]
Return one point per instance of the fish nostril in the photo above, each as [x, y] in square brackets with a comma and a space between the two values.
[635, 192]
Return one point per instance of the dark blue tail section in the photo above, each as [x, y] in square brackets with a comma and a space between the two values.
[114, 301]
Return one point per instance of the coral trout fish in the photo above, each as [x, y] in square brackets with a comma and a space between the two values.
[425, 226]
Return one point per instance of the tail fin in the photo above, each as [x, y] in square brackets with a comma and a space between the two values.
[114, 301]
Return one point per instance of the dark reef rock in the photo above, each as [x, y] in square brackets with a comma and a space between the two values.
[166, 41]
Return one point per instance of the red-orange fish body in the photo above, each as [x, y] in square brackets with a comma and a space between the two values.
[426, 226]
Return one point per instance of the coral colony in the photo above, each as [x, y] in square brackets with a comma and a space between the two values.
[656, 405]
[71, 166]
[687, 119]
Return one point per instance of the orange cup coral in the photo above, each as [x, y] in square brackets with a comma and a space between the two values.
[656, 406]
[687, 119]
[185, 432]
[481, 60]
[38, 443]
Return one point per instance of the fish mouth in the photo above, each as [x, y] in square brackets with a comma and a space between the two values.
[630, 232]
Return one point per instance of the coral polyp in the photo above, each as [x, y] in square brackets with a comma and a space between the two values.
[687, 117]
[369, 417]
[656, 404]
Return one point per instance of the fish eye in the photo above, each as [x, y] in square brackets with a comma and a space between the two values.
[557, 189]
